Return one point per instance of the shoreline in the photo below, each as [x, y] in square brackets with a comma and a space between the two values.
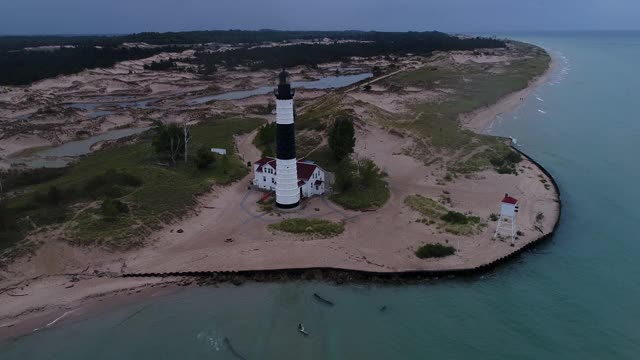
[90, 300]
[480, 120]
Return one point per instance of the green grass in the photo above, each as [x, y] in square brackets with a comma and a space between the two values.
[318, 115]
[475, 87]
[450, 221]
[316, 227]
[165, 193]
[434, 251]
[358, 198]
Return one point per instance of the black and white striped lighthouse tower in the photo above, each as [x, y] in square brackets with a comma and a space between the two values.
[287, 189]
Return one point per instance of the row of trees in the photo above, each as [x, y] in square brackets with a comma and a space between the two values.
[162, 65]
[313, 54]
[18, 67]
[24, 67]
[8, 43]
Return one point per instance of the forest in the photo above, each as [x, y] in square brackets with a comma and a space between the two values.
[20, 67]
[313, 54]
[24, 67]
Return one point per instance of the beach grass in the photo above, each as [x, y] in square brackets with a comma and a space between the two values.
[164, 193]
[474, 87]
[448, 220]
[316, 227]
[318, 115]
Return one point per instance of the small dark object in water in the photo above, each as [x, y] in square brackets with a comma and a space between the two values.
[232, 350]
[383, 308]
[180, 231]
[323, 300]
[301, 330]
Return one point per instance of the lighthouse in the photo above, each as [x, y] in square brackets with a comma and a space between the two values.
[287, 189]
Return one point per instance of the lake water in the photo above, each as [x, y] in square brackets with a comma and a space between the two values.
[575, 297]
[60, 156]
[328, 82]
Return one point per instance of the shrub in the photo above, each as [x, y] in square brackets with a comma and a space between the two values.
[109, 183]
[53, 195]
[434, 251]
[494, 217]
[454, 217]
[513, 157]
[111, 209]
[204, 158]
[265, 140]
[323, 228]
[345, 175]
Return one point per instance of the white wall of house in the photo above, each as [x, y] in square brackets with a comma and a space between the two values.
[310, 188]
[266, 179]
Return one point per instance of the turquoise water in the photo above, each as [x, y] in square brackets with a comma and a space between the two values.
[575, 297]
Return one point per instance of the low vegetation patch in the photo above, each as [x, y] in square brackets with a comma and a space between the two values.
[500, 157]
[359, 185]
[473, 86]
[428, 251]
[316, 227]
[450, 221]
[111, 209]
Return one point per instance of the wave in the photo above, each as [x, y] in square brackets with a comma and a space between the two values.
[542, 111]
[209, 338]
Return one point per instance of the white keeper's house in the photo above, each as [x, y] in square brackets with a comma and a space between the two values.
[311, 177]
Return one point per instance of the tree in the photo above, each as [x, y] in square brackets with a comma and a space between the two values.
[266, 139]
[204, 158]
[346, 175]
[368, 172]
[53, 195]
[342, 138]
[225, 164]
[168, 140]
[186, 130]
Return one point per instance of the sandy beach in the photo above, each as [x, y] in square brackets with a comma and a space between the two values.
[229, 232]
[480, 120]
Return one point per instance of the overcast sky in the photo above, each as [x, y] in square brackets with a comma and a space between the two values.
[126, 16]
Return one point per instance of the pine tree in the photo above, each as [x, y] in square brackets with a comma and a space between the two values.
[342, 138]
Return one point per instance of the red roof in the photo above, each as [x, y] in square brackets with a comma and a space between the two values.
[305, 169]
[509, 200]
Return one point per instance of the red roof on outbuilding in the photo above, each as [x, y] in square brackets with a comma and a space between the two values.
[510, 200]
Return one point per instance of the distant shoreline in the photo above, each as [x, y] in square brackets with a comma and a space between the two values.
[480, 120]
